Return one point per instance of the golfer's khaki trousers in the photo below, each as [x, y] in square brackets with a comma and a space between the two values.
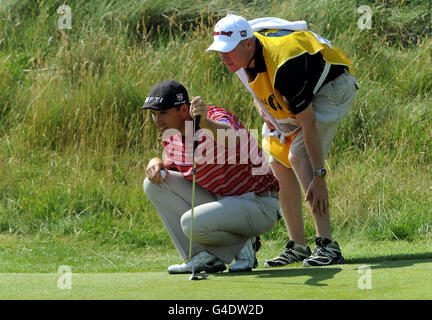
[221, 225]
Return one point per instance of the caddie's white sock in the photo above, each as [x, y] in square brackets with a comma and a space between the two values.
[299, 246]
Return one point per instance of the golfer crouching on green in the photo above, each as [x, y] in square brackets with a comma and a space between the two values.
[236, 194]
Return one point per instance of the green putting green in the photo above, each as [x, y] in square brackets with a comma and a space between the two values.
[401, 279]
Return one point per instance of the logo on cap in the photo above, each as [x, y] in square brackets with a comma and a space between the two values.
[223, 33]
[179, 96]
[156, 99]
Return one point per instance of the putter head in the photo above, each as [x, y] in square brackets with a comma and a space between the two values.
[198, 276]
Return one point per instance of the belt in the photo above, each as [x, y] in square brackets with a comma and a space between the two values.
[330, 73]
[269, 193]
[335, 71]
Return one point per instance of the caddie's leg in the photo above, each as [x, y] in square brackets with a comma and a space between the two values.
[171, 200]
[331, 104]
[290, 201]
[304, 172]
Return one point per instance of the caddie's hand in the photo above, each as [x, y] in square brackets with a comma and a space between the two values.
[317, 196]
[156, 171]
[198, 108]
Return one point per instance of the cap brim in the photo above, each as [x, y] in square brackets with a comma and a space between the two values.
[222, 46]
[155, 107]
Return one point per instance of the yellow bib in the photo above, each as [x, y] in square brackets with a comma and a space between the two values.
[279, 46]
[278, 150]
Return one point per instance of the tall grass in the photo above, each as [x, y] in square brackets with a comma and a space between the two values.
[74, 142]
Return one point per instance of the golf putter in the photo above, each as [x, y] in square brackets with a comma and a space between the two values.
[194, 276]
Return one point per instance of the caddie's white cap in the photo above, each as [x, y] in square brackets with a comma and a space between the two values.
[228, 32]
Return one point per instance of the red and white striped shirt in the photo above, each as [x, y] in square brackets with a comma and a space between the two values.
[220, 169]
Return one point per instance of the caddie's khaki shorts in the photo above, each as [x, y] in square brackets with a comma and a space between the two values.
[331, 104]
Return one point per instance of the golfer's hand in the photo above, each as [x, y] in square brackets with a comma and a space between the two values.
[317, 196]
[153, 170]
[198, 108]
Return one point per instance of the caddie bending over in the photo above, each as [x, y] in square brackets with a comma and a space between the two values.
[302, 88]
[236, 196]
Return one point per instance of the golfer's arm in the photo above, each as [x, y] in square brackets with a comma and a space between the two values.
[311, 136]
[221, 128]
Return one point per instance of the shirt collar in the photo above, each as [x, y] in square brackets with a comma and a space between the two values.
[259, 59]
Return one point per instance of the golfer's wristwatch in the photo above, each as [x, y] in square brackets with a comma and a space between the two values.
[320, 173]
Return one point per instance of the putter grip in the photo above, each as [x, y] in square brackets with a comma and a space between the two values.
[196, 128]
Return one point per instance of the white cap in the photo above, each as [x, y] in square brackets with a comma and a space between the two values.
[228, 32]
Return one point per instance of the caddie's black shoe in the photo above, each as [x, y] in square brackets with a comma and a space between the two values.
[326, 253]
[289, 255]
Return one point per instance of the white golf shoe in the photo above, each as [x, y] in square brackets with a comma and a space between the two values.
[202, 261]
[246, 260]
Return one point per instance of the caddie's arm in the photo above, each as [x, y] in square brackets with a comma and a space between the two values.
[316, 193]
[154, 168]
[199, 108]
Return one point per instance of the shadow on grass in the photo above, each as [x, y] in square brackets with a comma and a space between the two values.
[317, 275]
[393, 261]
